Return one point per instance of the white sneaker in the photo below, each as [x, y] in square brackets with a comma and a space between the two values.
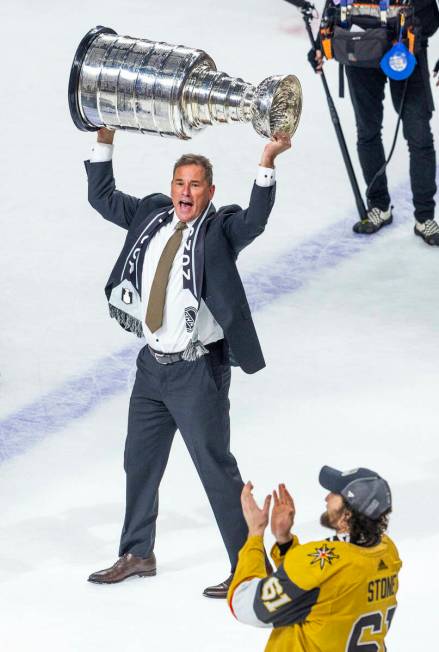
[376, 218]
[428, 231]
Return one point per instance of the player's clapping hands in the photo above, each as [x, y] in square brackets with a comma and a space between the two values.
[256, 518]
[282, 517]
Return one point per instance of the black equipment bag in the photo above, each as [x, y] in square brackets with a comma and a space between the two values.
[360, 49]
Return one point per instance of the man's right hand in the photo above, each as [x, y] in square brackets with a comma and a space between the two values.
[315, 58]
[106, 135]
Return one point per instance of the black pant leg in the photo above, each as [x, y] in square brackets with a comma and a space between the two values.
[366, 88]
[416, 116]
[150, 433]
[198, 400]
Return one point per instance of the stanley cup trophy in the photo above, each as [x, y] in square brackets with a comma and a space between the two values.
[121, 82]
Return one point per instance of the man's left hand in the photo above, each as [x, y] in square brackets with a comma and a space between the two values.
[282, 517]
[256, 518]
[436, 72]
[279, 143]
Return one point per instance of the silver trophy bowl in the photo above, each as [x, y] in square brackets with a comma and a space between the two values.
[121, 82]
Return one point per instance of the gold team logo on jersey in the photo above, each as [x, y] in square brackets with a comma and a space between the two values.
[323, 555]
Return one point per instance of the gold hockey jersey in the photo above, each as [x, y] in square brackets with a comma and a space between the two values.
[326, 596]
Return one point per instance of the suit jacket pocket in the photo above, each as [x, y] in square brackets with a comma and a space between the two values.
[219, 372]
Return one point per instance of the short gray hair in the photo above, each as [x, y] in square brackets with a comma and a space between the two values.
[196, 159]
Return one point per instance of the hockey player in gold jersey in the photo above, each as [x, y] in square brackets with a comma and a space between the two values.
[331, 595]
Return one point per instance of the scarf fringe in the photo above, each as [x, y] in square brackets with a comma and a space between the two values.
[194, 350]
[127, 322]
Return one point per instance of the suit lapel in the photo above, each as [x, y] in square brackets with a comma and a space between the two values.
[133, 264]
[193, 262]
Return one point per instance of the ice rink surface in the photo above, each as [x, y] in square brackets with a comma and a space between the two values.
[348, 325]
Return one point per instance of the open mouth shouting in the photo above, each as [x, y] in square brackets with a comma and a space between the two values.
[190, 192]
[186, 206]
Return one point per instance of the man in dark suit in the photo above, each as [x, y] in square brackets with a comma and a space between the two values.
[176, 283]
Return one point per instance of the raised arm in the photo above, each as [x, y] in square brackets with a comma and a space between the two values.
[113, 205]
[243, 226]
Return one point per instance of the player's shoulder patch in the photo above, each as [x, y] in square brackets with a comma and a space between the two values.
[312, 562]
[324, 553]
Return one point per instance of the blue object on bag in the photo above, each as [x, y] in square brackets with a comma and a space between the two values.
[398, 63]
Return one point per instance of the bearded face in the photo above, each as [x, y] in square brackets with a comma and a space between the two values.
[336, 515]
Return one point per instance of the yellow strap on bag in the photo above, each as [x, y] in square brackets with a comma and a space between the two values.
[326, 39]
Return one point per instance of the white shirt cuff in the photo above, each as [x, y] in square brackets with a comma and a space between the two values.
[265, 177]
[101, 152]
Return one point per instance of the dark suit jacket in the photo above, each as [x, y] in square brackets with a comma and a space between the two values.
[227, 232]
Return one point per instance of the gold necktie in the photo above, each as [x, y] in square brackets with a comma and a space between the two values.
[157, 295]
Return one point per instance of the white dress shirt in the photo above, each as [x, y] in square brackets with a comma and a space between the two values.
[181, 314]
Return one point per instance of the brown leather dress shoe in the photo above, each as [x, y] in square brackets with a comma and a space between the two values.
[126, 566]
[218, 590]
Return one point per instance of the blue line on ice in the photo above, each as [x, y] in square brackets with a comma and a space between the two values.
[110, 375]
